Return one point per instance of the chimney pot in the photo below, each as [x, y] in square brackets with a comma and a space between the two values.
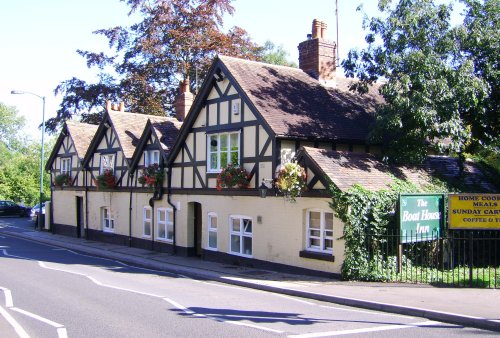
[122, 107]
[183, 101]
[316, 29]
[323, 30]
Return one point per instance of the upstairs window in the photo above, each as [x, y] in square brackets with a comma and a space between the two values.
[107, 163]
[151, 157]
[223, 148]
[66, 165]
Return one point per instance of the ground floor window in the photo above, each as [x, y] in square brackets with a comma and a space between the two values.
[107, 222]
[212, 230]
[319, 231]
[241, 235]
[165, 224]
[147, 215]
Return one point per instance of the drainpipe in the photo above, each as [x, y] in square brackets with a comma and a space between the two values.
[86, 208]
[131, 176]
[169, 193]
[152, 205]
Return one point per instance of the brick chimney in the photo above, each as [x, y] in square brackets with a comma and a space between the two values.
[317, 55]
[184, 101]
[115, 107]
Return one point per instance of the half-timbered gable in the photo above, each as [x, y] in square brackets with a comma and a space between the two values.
[69, 151]
[155, 144]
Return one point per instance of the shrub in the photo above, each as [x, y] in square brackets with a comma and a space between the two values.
[232, 176]
[291, 181]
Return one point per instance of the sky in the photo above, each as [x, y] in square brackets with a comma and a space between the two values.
[39, 39]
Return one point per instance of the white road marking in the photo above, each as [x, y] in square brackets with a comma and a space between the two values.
[263, 328]
[9, 303]
[364, 330]
[8, 297]
[18, 328]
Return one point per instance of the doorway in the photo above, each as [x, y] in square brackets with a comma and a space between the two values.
[80, 229]
[195, 217]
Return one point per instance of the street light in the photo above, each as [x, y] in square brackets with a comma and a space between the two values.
[20, 92]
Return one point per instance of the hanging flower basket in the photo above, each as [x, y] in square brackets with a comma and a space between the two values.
[62, 179]
[106, 180]
[291, 181]
[152, 176]
[232, 176]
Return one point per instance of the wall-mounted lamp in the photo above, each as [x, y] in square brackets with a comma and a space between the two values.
[264, 188]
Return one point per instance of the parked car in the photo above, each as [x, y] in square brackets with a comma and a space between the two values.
[35, 211]
[9, 208]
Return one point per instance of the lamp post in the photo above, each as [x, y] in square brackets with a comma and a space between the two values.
[20, 92]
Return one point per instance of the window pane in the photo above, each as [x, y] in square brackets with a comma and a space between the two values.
[315, 233]
[147, 228]
[161, 216]
[213, 161]
[170, 231]
[212, 239]
[112, 224]
[223, 159]
[156, 157]
[213, 143]
[169, 215]
[247, 245]
[235, 222]
[328, 244]
[247, 226]
[234, 142]
[328, 234]
[212, 222]
[314, 219]
[328, 220]
[235, 243]
[147, 213]
[234, 158]
[161, 231]
[223, 143]
[314, 242]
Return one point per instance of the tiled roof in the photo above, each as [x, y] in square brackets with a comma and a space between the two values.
[81, 134]
[296, 105]
[129, 128]
[167, 132]
[345, 169]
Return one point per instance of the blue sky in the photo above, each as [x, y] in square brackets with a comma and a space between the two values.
[39, 39]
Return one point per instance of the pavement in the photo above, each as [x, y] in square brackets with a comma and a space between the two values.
[470, 307]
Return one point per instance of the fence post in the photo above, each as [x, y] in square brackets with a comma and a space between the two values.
[471, 257]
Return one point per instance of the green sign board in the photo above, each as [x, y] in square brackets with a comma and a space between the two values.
[420, 217]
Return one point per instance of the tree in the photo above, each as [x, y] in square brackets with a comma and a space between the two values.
[436, 90]
[276, 55]
[19, 160]
[175, 40]
[10, 125]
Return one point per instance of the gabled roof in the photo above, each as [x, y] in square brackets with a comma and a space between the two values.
[165, 131]
[344, 169]
[81, 134]
[296, 105]
[128, 128]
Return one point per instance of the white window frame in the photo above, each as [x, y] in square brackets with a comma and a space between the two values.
[107, 222]
[151, 157]
[322, 231]
[147, 221]
[65, 165]
[167, 225]
[107, 162]
[212, 230]
[218, 151]
[242, 234]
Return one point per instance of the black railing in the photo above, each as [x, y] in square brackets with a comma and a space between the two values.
[461, 258]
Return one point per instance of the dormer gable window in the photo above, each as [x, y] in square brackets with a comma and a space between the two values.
[107, 163]
[66, 166]
[151, 157]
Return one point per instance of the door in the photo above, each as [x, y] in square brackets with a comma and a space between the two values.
[80, 229]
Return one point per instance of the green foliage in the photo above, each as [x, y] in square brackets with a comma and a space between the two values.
[62, 180]
[173, 39]
[364, 213]
[441, 84]
[291, 181]
[19, 161]
[106, 180]
[276, 55]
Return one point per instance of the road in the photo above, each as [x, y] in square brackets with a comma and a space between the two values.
[47, 291]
